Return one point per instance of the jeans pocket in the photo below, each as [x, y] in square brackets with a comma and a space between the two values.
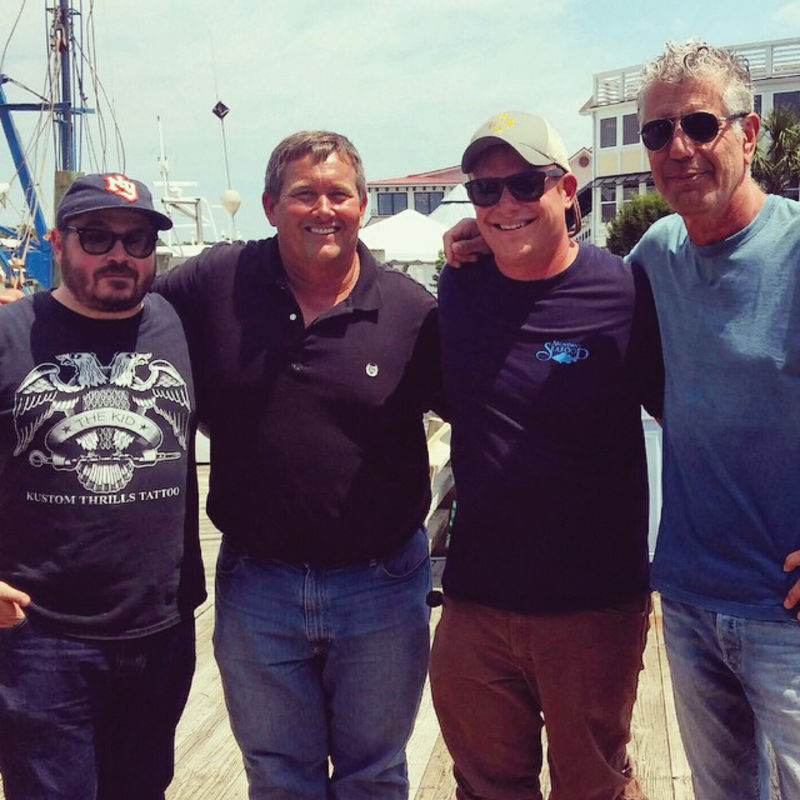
[408, 558]
[11, 630]
[229, 560]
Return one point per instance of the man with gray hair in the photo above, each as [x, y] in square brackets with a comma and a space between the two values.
[314, 366]
[724, 272]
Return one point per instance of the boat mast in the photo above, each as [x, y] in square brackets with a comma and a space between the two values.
[33, 254]
[62, 39]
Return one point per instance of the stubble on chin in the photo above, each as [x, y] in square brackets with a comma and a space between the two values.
[86, 288]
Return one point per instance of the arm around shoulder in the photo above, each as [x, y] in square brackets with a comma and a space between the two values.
[12, 601]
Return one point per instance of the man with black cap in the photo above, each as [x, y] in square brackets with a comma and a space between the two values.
[100, 567]
[548, 350]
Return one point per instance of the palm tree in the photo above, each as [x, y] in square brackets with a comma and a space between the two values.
[776, 164]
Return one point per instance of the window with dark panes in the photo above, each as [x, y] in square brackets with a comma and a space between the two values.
[630, 189]
[790, 99]
[425, 202]
[630, 129]
[757, 104]
[608, 132]
[392, 203]
[608, 202]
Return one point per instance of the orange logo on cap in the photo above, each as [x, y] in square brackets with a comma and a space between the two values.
[122, 187]
[501, 122]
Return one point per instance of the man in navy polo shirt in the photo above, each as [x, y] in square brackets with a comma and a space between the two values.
[549, 348]
[314, 366]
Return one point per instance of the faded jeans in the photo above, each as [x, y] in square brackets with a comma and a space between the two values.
[88, 719]
[737, 688]
[324, 663]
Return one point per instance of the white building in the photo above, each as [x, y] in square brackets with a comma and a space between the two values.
[421, 192]
[425, 191]
[620, 168]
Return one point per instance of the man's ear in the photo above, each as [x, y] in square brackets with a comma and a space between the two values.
[269, 203]
[569, 185]
[56, 238]
[751, 124]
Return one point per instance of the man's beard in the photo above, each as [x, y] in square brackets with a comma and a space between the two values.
[83, 286]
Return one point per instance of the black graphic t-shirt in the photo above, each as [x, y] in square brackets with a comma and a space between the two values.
[544, 381]
[98, 496]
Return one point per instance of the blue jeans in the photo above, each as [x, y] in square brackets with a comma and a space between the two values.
[322, 663]
[737, 696]
[89, 719]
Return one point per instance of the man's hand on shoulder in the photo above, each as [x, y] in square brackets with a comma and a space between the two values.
[463, 243]
[9, 296]
[12, 601]
[792, 562]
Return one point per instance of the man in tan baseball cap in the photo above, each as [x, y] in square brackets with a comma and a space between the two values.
[549, 347]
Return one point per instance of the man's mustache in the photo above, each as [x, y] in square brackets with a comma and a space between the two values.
[117, 271]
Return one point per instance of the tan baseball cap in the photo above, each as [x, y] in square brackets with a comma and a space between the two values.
[530, 135]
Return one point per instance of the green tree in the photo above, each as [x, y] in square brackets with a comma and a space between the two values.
[776, 164]
[437, 266]
[633, 219]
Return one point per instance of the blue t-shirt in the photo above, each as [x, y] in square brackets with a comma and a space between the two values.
[730, 326]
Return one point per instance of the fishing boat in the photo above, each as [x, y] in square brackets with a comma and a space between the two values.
[75, 114]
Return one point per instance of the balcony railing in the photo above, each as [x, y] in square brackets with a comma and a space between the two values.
[767, 60]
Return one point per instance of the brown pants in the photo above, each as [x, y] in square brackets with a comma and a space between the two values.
[495, 674]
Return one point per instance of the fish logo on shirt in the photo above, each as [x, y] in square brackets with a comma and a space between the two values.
[562, 352]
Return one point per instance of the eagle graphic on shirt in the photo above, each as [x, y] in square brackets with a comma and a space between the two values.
[105, 421]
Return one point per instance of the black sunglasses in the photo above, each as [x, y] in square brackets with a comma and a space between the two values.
[524, 186]
[98, 241]
[700, 126]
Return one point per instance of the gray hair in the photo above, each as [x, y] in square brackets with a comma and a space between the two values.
[701, 61]
[320, 145]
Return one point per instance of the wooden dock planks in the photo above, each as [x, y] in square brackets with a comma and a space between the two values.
[208, 763]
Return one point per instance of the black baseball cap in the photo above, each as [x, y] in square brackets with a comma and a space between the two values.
[108, 190]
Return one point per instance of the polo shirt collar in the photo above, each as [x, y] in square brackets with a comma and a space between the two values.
[366, 294]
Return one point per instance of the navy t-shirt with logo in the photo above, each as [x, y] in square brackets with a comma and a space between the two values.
[98, 497]
[543, 382]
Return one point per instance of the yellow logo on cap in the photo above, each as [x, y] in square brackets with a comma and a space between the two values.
[501, 122]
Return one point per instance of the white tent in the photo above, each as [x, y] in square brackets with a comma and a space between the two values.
[407, 236]
[454, 207]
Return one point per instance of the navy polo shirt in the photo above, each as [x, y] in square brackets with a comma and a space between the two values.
[318, 450]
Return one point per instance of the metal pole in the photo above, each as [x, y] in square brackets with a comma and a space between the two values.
[225, 151]
[67, 137]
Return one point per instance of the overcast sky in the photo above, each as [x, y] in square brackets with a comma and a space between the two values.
[407, 81]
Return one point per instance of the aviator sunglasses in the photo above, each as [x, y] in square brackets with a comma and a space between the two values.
[700, 126]
[99, 241]
[524, 186]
